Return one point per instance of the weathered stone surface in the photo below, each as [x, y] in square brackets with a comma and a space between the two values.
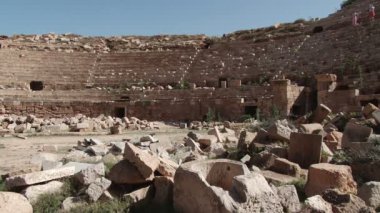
[376, 115]
[118, 147]
[369, 109]
[314, 128]
[215, 131]
[125, 173]
[33, 192]
[324, 176]
[345, 203]
[149, 138]
[194, 145]
[255, 195]
[288, 197]
[279, 132]
[167, 167]
[98, 150]
[163, 190]
[305, 149]
[217, 150]
[78, 166]
[46, 165]
[263, 160]
[96, 189]
[320, 114]
[200, 186]
[317, 204]
[91, 174]
[194, 136]
[286, 167]
[370, 193]
[355, 133]
[11, 202]
[39, 158]
[277, 178]
[39, 177]
[145, 162]
[139, 195]
[72, 203]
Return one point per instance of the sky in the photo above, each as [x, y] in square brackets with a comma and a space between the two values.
[153, 17]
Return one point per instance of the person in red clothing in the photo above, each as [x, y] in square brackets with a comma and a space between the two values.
[371, 12]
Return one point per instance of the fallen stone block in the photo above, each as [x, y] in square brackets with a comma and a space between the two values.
[97, 188]
[167, 167]
[355, 133]
[320, 114]
[139, 195]
[90, 174]
[193, 145]
[39, 158]
[125, 173]
[317, 204]
[277, 178]
[288, 197]
[314, 128]
[145, 162]
[98, 150]
[305, 149]
[118, 147]
[14, 202]
[263, 160]
[39, 177]
[324, 176]
[255, 195]
[342, 203]
[286, 167]
[279, 132]
[33, 192]
[202, 186]
[369, 109]
[163, 190]
[46, 165]
[370, 193]
[376, 115]
[149, 138]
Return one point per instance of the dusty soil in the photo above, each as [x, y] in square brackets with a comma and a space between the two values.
[16, 153]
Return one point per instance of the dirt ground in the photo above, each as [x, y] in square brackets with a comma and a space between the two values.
[16, 153]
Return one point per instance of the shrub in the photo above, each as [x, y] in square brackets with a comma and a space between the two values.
[113, 206]
[2, 185]
[52, 202]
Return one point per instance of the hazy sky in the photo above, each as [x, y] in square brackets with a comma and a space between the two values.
[151, 17]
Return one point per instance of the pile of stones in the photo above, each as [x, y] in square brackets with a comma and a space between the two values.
[10, 124]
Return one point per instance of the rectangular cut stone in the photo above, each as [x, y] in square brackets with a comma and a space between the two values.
[305, 149]
[145, 162]
[320, 114]
[376, 115]
[355, 133]
[39, 177]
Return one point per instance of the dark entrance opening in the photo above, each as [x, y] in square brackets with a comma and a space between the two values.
[296, 111]
[318, 29]
[373, 101]
[220, 82]
[250, 110]
[36, 85]
[120, 112]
